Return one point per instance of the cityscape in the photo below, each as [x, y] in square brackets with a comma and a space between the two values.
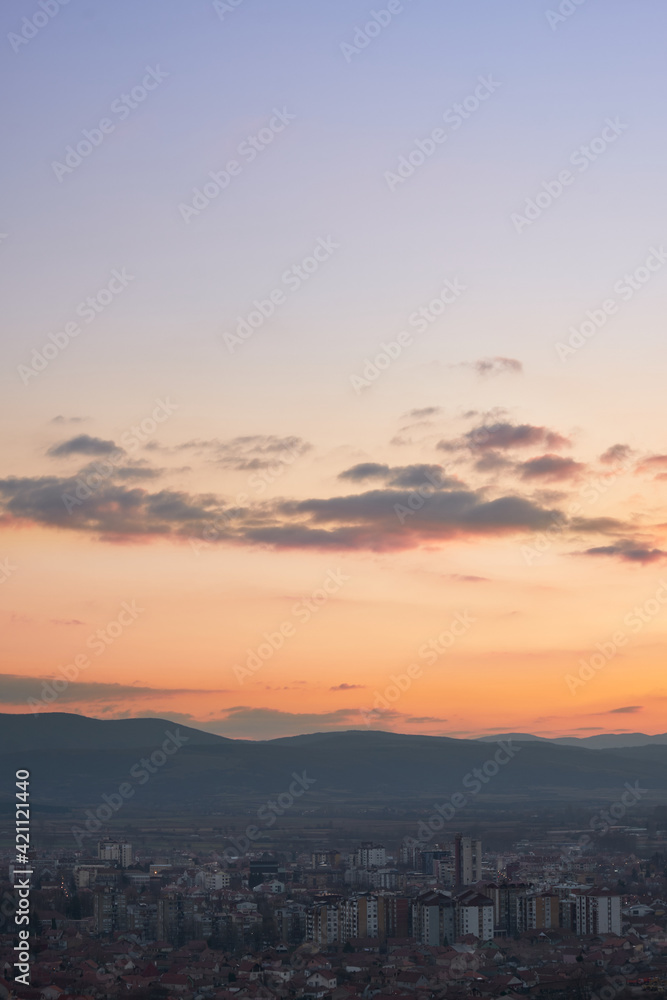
[448, 920]
[333, 500]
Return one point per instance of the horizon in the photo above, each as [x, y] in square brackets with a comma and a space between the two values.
[500, 734]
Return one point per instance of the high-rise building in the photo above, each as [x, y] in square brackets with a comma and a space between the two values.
[467, 860]
[115, 850]
[371, 855]
[110, 911]
[474, 915]
[598, 911]
[433, 918]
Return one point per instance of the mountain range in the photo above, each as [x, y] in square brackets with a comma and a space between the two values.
[74, 761]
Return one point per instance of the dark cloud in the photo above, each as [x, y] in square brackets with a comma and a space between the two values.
[423, 718]
[407, 476]
[625, 710]
[135, 472]
[365, 470]
[552, 468]
[417, 506]
[501, 436]
[66, 621]
[489, 367]
[251, 452]
[16, 689]
[617, 453]
[628, 551]
[423, 413]
[104, 507]
[68, 420]
[506, 435]
[347, 687]
[271, 723]
[83, 444]
[491, 461]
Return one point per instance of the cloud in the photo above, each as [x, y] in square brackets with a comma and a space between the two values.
[271, 723]
[413, 719]
[251, 452]
[653, 464]
[489, 367]
[68, 420]
[398, 516]
[552, 468]
[83, 444]
[401, 475]
[504, 436]
[16, 689]
[423, 413]
[138, 471]
[347, 687]
[66, 621]
[625, 710]
[617, 453]
[466, 578]
[491, 461]
[365, 470]
[628, 551]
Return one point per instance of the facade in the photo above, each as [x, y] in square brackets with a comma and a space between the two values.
[598, 911]
[474, 915]
[467, 860]
[115, 850]
[109, 911]
[371, 855]
[433, 919]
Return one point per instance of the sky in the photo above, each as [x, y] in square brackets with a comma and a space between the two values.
[332, 365]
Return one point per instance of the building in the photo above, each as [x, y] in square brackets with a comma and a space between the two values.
[538, 912]
[433, 918]
[598, 911]
[474, 915]
[109, 911]
[115, 850]
[467, 860]
[370, 855]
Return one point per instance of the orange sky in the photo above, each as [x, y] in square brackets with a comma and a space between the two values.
[390, 399]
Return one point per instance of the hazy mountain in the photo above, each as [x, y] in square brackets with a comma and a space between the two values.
[74, 761]
[64, 731]
[603, 741]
